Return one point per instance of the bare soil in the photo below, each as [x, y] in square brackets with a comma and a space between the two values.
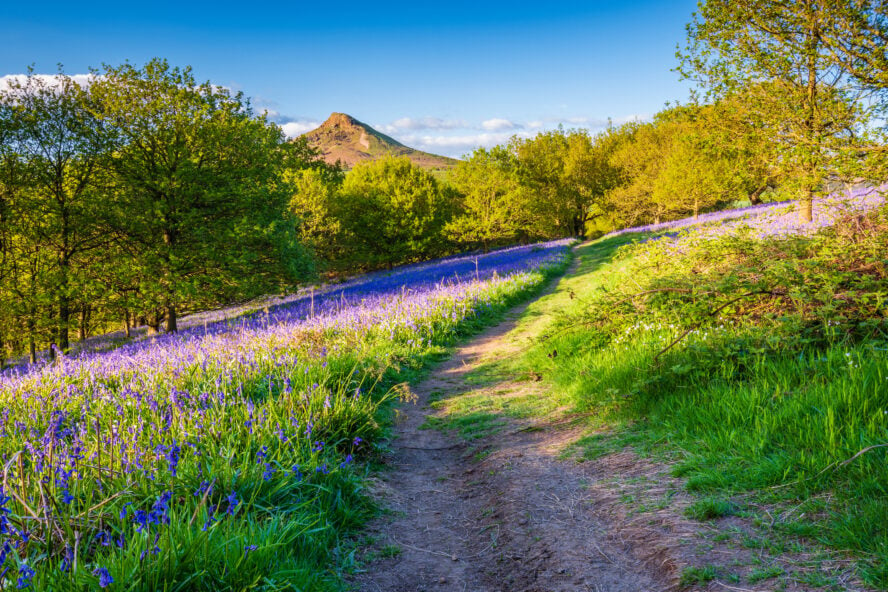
[517, 510]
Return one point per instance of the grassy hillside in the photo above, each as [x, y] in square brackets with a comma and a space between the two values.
[751, 360]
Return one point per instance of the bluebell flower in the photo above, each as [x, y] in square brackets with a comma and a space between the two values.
[26, 574]
[104, 538]
[4, 513]
[140, 519]
[232, 503]
[202, 488]
[105, 578]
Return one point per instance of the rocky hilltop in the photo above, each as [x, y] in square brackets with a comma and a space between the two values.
[344, 139]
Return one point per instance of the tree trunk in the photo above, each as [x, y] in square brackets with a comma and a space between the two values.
[806, 206]
[64, 319]
[171, 320]
[83, 329]
[755, 198]
[696, 208]
[153, 322]
[812, 46]
[32, 349]
[126, 323]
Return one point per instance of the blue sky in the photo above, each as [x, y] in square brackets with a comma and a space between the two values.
[443, 77]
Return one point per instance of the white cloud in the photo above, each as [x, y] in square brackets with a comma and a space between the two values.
[498, 124]
[634, 117]
[456, 145]
[48, 79]
[297, 128]
[596, 122]
[422, 123]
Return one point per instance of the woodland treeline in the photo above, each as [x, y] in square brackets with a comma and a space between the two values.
[134, 198]
[144, 195]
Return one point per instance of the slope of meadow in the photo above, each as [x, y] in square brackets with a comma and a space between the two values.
[750, 354]
[226, 457]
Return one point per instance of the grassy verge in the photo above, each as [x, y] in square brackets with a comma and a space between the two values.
[482, 411]
[779, 398]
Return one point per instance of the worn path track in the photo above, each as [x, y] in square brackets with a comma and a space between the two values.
[517, 520]
[512, 511]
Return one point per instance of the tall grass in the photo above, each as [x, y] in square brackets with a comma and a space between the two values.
[781, 395]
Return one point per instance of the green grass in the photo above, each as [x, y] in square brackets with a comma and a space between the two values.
[481, 412]
[764, 573]
[710, 508]
[698, 575]
[774, 406]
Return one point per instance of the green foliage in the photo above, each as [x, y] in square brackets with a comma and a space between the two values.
[710, 508]
[566, 174]
[196, 173]
[698, 575]
[758, 363]
[51, 154]
[797, 65]
[393, 212]
[685, 162]
[315, 203]
[550, 186]
[492, 199]
[140, 195]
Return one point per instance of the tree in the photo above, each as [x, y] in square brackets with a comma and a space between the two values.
[54, 148]
[316, 203]
[199, 199]
[642, 161]
[691, 179]
[590, 168]
[490, 204]
[789, 60]
[393, 212]
[559, 206]
[570, 174]
[699, 170]
[735, 135]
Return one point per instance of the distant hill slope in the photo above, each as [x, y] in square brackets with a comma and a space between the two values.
[344, 138]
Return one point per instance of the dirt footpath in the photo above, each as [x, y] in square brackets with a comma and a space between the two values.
[510, 511]
[517, 520]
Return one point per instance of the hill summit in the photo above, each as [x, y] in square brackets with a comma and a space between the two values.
[344, 139]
